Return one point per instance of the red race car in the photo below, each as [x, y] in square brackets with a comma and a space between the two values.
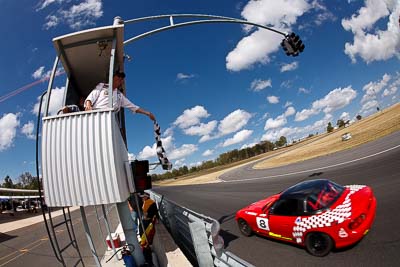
[317, 214]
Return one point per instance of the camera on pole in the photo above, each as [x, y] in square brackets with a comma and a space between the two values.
[292, 45]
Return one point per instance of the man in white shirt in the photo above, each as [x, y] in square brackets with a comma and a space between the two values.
[98, 98]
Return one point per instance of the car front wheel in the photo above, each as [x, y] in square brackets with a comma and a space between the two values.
[318, 244]
[244, 227]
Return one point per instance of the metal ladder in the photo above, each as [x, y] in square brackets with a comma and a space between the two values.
[48, 219]
[52, 233]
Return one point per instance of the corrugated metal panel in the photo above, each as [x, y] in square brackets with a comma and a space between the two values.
[83, 159]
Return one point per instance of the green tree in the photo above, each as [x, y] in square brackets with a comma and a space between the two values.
[281, 142]
[340, 123]
[27, 181]
[8, 183]
[329, 128]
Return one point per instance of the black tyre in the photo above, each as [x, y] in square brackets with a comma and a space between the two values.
[319, 244]
[244, 227]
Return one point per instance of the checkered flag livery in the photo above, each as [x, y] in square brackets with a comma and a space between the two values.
[339, 214]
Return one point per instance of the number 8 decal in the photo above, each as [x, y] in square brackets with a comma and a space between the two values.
[262, 223]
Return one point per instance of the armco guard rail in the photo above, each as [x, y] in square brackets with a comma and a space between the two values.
[191, 231]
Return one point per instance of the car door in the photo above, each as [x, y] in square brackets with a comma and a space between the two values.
[281, 219]
[260, 222]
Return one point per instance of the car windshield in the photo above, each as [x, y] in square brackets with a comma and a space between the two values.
[324, 197]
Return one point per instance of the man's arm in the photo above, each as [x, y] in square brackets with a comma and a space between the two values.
[145, 112]
[93, 96]
[128, 104]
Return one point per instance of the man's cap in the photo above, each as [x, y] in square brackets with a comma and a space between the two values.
[120, 74]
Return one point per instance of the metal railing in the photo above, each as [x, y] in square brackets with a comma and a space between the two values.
[191, 232]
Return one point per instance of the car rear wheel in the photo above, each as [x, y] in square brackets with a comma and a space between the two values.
[244, 227]
[318, 244]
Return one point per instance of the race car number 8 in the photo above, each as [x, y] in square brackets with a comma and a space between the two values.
[262, 223]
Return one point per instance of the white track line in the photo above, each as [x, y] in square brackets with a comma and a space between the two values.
[317, 169]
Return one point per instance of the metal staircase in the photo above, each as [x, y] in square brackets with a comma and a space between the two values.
[53, 228]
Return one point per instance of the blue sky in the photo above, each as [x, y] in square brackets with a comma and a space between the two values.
[215, 87]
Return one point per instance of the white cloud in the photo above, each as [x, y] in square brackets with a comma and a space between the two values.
[371, 43]
[373, 88]
[287, 84]
[8, 125]
[305, 114]
[297, 132]
[27, 129]
[208, 152]
[258, 84]
[273, 99]
[253, 49]
[46, 3]
[182, 76]
[57, 96]
[275, 13]
[52, 21]
[390, 91]
[147, 152]
[183, 151]
[172, 152]
[290, 111]
[248, 145]
[150, 151]
[334, 100]
[179, 163]
[257, 47]
[280, 120]
[323, 14]
[131, 156]
[289, 67]
[288, 103]
[37, 74]
[191, 117]
[76, 16]
[304, 90]
[201, 129]
[275, 123]
[276, 134]
[233, 122]
[195, 164]
[169, 131]
[206, 138]
[238, 138]
[368, 106]
[345, 116]
[41, 74]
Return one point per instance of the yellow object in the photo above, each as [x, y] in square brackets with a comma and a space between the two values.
[279, 236]
[148, 236]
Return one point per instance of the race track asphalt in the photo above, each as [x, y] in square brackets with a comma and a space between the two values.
[376, 164]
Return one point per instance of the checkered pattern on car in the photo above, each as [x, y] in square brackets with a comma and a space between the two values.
[338, 214]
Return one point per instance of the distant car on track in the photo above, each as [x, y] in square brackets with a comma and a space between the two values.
[317, 214]
[346, 136]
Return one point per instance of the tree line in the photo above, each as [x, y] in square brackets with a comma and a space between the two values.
[25, 181]
[223, 159]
